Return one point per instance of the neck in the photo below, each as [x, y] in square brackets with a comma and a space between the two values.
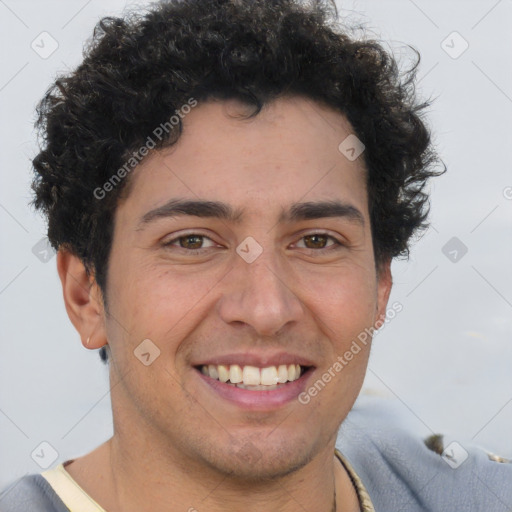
[126, 479]
[194, 487]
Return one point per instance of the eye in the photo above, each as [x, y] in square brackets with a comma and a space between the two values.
[316, 241]
[191, 242]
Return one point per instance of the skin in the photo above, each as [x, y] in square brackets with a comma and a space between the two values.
[176, 441]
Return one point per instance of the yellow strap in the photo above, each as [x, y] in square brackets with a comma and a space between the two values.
[73, 496]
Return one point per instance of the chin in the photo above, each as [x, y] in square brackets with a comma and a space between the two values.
[253, 461]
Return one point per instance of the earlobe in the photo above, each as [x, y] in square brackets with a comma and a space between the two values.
[83, 299]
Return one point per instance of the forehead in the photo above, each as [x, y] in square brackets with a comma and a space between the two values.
[286, 153]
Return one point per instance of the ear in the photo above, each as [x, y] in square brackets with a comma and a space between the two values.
[384, 285]
[83, 300]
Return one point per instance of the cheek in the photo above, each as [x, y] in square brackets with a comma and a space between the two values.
[162, 304]
[344, 301]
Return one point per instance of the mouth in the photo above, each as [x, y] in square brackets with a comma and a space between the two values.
[252, 377]
[253, 387]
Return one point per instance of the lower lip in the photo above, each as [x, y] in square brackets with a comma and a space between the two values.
[258, 400]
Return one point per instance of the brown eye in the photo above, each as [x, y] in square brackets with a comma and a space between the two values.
[320, 243]
[191, 241]
[316, 241]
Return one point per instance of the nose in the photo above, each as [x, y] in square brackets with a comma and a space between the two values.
[259, 294]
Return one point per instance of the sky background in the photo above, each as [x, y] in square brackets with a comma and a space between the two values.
[444, 363]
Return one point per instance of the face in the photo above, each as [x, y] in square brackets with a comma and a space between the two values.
[266, 284]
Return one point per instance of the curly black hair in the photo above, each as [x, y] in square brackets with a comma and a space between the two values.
[138, 71]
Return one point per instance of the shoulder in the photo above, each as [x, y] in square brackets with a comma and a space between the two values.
[403, 470]
[31, 492]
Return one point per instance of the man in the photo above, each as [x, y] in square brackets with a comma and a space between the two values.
[227, 184]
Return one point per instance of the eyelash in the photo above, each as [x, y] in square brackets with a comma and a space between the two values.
[336, 246]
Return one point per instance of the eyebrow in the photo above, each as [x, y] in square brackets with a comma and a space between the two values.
[223, 211]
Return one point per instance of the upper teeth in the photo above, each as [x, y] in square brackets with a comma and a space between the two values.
[252, 375]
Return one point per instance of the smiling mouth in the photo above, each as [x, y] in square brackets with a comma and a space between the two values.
[252, 377]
